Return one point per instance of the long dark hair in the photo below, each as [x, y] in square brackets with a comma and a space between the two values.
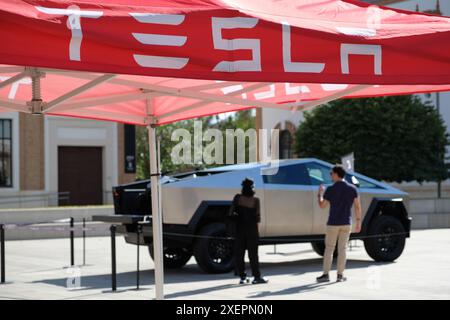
[248, 187]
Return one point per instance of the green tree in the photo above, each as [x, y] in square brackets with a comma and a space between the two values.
[164, 134]
[242, 119]
[393, 138]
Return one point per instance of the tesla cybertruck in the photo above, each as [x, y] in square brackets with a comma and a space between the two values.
[195, 206]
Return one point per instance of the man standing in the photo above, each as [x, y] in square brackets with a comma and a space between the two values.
[340, 196]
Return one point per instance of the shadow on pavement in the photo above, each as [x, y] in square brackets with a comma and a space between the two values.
[294, 290]
[191, 273]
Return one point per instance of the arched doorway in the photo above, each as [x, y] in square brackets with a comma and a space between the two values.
[285, 145]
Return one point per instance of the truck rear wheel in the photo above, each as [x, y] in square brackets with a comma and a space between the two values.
[319, 248]
[213, 253]
[391, 242]
[174, 257]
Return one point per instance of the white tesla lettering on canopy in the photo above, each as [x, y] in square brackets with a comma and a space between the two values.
[74, 24]
[296, 89]
[290, 66]
[266, 94]
[333, 86]
[220, 43]
[160, 40]
[361, 49]
[235, 88]
[15, 86]
[236, 44]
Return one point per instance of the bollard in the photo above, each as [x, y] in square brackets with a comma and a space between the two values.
[137, 255]
[72, 253]
[84, 241]
[2, 241]
[113, 258]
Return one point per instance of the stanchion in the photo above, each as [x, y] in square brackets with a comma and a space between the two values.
[2, 241]
[84, 241]
[138, 231]
[72, 252]
[113, 258]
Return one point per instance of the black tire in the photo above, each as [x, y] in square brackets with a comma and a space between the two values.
[387, 247]
[214, 255]
[319, 248]
[174, 258]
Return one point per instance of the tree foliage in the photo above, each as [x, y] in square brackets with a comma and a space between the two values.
[242, 119]
[393, 138]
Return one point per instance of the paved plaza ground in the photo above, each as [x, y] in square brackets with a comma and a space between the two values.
[37, 269]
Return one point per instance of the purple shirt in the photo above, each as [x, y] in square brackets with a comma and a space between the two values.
[341, 196]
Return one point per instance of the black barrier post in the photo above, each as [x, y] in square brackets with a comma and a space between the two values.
[84, 241]
[113, 257]
[72, 253]
[2, 240]
[138, 231]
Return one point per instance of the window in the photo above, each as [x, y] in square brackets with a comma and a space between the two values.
[5, 153]
[292, 174]
[318, 174]
[285, 145]
[360, 183]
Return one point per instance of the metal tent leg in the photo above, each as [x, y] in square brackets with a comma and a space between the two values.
[156, 214]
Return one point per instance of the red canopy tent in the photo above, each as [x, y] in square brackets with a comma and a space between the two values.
[123, 97]
[155, 62]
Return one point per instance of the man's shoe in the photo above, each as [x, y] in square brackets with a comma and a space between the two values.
[259, 280]
[341, 278]
[323, 278]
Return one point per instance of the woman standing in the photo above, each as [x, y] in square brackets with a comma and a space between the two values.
[245, 212]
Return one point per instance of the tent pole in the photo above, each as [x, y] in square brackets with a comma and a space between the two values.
[156, 214]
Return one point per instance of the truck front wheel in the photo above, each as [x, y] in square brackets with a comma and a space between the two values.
[386, 239]
[174, 257]
[212, 250]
